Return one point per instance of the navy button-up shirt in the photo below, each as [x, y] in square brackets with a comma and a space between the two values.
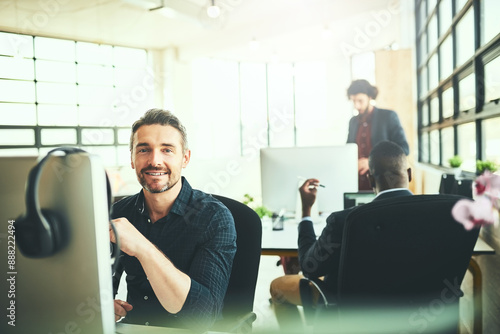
[199, 237]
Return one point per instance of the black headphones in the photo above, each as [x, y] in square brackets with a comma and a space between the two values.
[43, 232]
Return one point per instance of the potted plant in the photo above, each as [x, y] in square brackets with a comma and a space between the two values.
[482, 166]
[261, 210]
[455, 162]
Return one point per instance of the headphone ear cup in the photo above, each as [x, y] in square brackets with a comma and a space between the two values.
[58, 238]
[36, 241]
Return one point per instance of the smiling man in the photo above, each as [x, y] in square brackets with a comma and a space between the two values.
[178, 242]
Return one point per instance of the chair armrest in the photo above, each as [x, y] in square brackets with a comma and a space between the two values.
[313, 298]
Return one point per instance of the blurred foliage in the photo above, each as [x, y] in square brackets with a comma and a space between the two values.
[261, 210]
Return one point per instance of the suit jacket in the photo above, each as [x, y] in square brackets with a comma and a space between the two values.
[385, 126]
[321, 257]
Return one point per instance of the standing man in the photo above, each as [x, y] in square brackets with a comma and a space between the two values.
[389, 175]
[178, 243]
[371, 126]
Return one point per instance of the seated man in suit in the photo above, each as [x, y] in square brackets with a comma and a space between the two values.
[389, 176]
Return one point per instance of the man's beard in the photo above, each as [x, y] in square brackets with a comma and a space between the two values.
[169, 184]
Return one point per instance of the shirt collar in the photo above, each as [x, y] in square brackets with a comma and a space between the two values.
[391, 190]
[180, 204]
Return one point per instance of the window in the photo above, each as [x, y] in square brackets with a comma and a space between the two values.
[467, 87]
[71, 93]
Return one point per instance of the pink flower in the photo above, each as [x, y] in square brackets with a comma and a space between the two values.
[475, 213]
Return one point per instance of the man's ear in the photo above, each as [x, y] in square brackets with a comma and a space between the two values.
[409, 174]
[187, 157]
[371, 179]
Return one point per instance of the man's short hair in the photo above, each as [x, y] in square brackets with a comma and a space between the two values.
[362, 86]
[387, 157]
[161, 117]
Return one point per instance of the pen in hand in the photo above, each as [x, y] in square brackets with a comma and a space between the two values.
[318, 185]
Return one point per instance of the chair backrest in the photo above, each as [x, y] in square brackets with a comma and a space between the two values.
[405, 252]
[240, 293]
[404, 246]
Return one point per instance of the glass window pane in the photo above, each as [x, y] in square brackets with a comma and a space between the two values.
[58, 136]
[98, 136]
[107, 154]
[89, 53]
[253, 107]
[433, 72]
[465, 37]
[430, 5]
[312, 120]
[423, 12]
[54, 71]
[492, 80]
[54, 49]
[17, 137]
[123, 159]
[96, 95]
[490, 23]
[446, 57]
[434, 138]
[17, 91]
[128, 56]
[96, 116]
[466, 135]
[447, 141]
[424, 82]
[131, 77]
[95, 74]
[18, 152]
[491, 139]
[17, 114]
[124, 136]
[466, 89]
[425, 114]
[280, 101]
[53, 93]
[425, 147]
[460, 4]
[16, 68]
[434, 110]
[423, 47]
[50, 114]
[447, 102]
[432, 33]
[16, 45]
[445, 16]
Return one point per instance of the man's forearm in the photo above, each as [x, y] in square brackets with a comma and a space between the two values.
[171, 286]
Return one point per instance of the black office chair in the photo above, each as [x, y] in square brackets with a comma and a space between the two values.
[402, 263]
[238, 315]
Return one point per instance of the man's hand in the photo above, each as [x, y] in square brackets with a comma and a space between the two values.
[363, 166]
[131, 240]
[121, 309]
[308, 192]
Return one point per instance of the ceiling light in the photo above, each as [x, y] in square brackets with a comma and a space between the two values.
[213, 10]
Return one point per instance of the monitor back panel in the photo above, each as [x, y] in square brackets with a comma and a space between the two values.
[71, 291]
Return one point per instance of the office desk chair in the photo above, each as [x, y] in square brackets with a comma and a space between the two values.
[238, 315]
[402, 262]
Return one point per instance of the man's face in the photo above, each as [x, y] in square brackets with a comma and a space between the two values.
[158, 157]
[361, 102]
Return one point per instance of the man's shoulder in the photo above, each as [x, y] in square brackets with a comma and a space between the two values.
[123, 204]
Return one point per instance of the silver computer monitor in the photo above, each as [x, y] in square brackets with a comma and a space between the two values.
[71, 291]
[282, 169]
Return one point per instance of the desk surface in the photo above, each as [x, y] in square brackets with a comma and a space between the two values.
[122, 328]
[284, 242]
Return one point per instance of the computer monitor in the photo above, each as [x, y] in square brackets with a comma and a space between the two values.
[71, 291]
[358, 198]
[281, 169]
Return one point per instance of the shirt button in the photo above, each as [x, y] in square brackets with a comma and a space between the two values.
[149, 220]
[146, 297]
[146, 323]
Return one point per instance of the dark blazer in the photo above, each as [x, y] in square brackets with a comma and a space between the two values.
[321, 257]
[385, 126]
